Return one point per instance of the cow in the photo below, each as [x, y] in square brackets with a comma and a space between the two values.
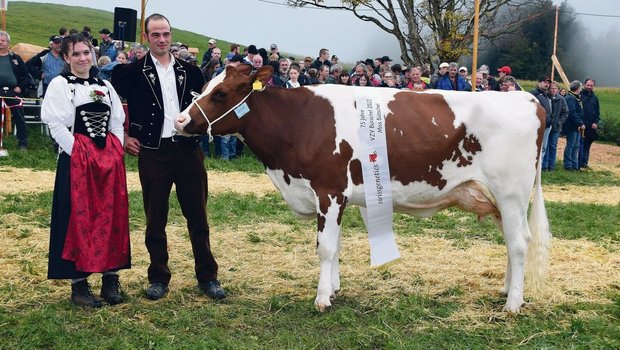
[479, 152]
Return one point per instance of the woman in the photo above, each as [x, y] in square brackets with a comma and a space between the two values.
[89, 231]
[209, 69]
[293, 77]
[362, 80]
[105, 72]
[344, 79]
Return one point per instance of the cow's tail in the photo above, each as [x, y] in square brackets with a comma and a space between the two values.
[540, 243]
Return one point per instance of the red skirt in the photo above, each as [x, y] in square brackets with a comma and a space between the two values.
[98, 234]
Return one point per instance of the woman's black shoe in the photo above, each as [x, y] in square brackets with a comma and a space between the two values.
[81, 295]
[111, 289]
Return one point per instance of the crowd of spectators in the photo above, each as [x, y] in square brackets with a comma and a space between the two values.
[290, 72]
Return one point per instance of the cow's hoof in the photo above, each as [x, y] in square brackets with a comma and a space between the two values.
[322, 307]
[512, 308]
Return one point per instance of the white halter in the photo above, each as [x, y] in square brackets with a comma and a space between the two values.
[196, 95]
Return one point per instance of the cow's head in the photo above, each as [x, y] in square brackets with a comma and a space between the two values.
[213, 111]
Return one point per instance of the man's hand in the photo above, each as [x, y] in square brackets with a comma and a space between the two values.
[132, 145]
[594, 126]
[17, 90]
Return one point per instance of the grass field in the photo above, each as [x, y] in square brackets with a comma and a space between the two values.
[442, 294]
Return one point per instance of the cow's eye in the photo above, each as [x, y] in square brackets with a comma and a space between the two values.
[218, 95]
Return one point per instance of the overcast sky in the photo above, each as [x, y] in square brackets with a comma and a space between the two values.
[302, 31]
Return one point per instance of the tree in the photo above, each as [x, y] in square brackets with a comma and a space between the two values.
[427, 31]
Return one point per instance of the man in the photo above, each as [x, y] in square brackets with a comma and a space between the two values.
[252, 51]
[234, 50]
[257, 62]
[47, 64]
[206, 58]
[323, 59]
[509, 84]
[502, 72]
[463, 72]
[541, 93]
[559, 113]
[386, 60]
[281, 76]
[107, 47]
[274, 51]
[452, 80]
[441, 72]
[572, 127]
[14, 81]
[334, 74]
[157, 87]
[591, 118]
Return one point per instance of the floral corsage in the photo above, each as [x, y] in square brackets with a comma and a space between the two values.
[97, 95]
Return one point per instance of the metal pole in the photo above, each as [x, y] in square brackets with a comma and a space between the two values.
[143, 9]
[475, 44]
[555, 39]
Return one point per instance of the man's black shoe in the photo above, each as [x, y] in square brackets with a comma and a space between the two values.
[213, 289]
[111, 289]
[156, 290]
[81, 295]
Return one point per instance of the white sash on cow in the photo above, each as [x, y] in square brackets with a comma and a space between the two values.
[377, 188]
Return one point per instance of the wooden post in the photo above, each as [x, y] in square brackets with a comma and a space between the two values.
[143, 8]
[555, 39]
[3, 8]
[475, 44]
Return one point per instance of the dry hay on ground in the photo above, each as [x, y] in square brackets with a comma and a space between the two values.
[258, 262]
[20, 180]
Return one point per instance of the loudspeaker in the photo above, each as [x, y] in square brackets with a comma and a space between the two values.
[125, 24]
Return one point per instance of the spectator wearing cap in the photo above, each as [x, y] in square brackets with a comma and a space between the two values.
[273, 50]
[47, 64]
[464, 73]
[502, 72]
[452, 80]
[174, 50]
[334, 59]
[541, 92]
[488, 82]
[386, 60]
[323, 59]
[107, 47]
[206, 58]
[443, 70]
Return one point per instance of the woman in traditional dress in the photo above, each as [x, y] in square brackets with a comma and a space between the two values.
[90, 228]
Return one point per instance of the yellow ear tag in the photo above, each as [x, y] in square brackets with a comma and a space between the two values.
[257, 85]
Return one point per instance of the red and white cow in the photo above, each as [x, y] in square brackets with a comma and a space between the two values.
[475, 151]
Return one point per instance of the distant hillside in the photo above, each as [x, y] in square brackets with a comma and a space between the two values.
[34, 23]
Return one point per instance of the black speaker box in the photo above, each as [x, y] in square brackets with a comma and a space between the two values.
[125, 24]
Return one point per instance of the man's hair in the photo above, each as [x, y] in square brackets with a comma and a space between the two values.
[575, 85]
[589, 79]
[510, 79]
[454, 65]
[154, 17]
[6, 35]
[322, 51]
[233, 47]
[62, 30]
[335, 67]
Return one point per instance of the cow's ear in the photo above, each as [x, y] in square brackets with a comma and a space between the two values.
[263, 74]
[244, 69]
